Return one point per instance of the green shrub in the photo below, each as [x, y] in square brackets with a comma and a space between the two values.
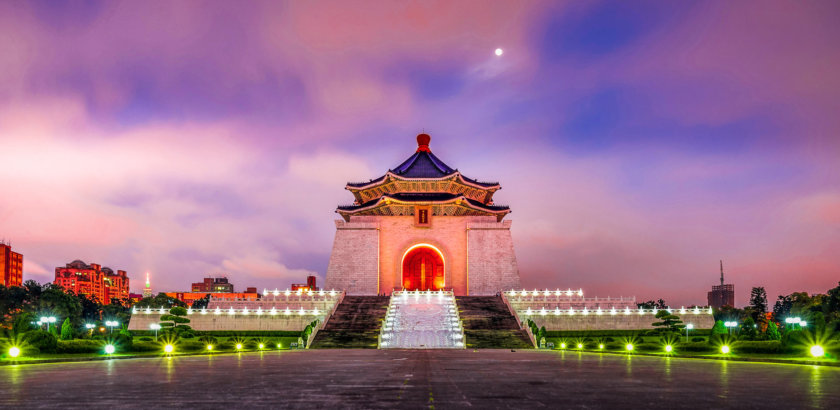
[66, 330]
[208, 340]
[698, 339]
[80, 346]
[610, 333]
[698, 347]
[42, 340]
[147, 339]
[764, 346]
[121, 341]
[230, 333]
[190, 346]
[146, 347]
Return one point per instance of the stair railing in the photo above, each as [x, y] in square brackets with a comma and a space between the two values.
[322, 323]
[519, 321]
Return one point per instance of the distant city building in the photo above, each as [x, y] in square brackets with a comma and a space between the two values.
[723, 295]
[93, 280]
[190, 297]
[213, 285]
[134, 298]
[147, 290]
[11, 266]
[310, 284]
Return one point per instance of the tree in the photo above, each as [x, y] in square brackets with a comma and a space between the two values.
[773, 331]
[667, 322]
[201, 303]
[758, 301]
[175, 320]
[66, 330]
[749, 330]
[161, 300]
[719, 328]
[658, 304]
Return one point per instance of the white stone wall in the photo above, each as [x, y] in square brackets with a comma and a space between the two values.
[492, 260]
[367, 253]
[225, 321]
[633, 321]
[354, 262]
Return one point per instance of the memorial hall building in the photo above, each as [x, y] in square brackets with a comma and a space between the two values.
[423, 225]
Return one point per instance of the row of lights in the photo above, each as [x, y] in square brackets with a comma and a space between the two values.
[287, 292]
[244, 311]
[546, 292]
[585, 311]
[815, 350]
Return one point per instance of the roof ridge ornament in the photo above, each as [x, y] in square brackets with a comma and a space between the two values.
[423, 142]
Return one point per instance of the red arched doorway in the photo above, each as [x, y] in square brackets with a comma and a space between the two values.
[422, 269]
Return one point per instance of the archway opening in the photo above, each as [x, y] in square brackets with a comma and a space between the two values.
[422, 268]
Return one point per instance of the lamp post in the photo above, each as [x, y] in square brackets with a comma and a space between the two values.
[111, 324]
[155, 327]
[48, 320]
[730, 325]
[688, 327]
[796, 321]
[90, 327]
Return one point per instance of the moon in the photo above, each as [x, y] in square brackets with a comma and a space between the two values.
[499, 51]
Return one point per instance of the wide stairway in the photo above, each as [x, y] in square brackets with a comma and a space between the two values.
[356, 323]
[488, 324]
[422, 320]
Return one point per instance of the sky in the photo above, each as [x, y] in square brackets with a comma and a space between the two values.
[637, 143]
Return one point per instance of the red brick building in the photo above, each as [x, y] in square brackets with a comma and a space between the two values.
[213, 285]
[190, 297]
[93, 280]
[311, 284]
[11, 266]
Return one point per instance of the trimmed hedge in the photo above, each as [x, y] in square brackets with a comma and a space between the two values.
[768, 346]
[42, 340]
[230, 333]
[147, 347]
[614, 333]
[80, 346]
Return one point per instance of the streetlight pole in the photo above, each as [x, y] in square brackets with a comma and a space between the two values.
[688, 327]
[155, 327]
[111, 324]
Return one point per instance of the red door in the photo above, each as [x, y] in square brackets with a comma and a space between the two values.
[423, 270]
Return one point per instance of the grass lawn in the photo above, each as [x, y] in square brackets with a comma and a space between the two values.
[151, 349]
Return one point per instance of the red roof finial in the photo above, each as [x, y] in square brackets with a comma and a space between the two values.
[423, 142]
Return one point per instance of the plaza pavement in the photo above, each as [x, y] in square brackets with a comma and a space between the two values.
[438, 379]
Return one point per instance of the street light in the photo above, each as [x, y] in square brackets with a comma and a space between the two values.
[687, 328]
[14, 351]
[730, 325]
[109, 349]
[47, 320]
[111, 324]
[155, 327]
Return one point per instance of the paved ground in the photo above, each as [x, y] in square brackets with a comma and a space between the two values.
[332, 379]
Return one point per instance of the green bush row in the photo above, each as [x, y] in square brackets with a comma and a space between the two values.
[615, 333]
[229, 333]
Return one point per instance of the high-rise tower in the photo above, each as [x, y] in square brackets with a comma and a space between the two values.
[147, 290]
[723, 295]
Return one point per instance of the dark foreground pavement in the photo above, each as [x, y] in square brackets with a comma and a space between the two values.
[439, 379]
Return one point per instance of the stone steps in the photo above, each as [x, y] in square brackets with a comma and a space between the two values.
[488, 324]
[355, 324]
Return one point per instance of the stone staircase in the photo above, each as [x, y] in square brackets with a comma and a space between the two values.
[422, 320]
[488, 324]
[356, 323]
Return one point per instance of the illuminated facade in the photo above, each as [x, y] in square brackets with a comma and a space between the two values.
[11, 266]
[93, 280]
[423, 226]
[213, 285]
